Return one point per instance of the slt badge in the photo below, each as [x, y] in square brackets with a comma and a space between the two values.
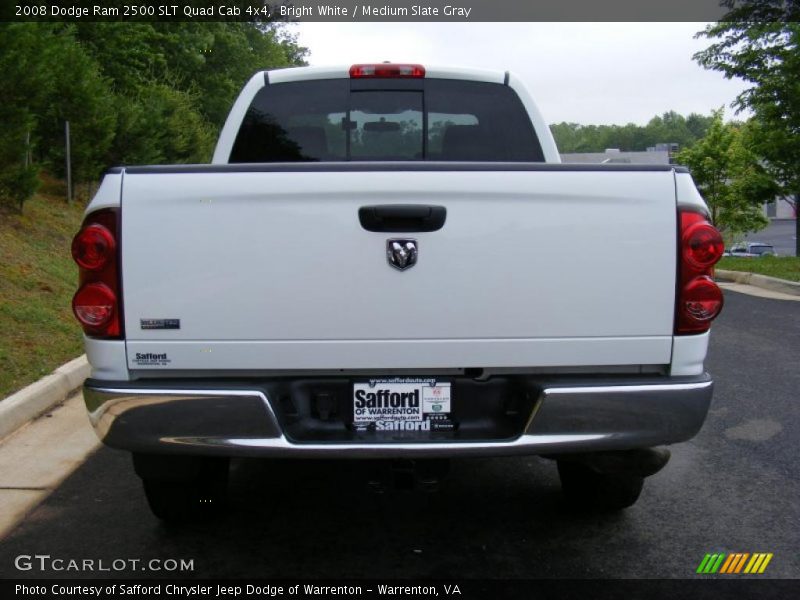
[401, 253]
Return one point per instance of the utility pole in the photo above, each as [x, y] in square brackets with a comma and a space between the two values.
[69, 163]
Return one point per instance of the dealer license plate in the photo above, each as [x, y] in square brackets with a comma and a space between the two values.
[402, 404]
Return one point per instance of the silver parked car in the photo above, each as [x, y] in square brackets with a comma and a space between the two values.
[751, 250]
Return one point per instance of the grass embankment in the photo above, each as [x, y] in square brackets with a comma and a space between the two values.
[783, 267]
[37, 280]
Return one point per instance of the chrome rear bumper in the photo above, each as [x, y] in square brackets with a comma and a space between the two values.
[567, 416]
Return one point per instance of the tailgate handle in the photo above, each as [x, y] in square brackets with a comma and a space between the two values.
[405, 218]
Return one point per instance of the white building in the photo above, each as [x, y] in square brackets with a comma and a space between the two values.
[780, 208]
[616, 156]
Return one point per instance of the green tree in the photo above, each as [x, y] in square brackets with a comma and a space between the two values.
[132, 92]
[211, 61]
[160, 125]
[730, 177]
[670, 127]
[698, 124]
[48, 78]
[759, 44]
[24, 77]
[76, 92]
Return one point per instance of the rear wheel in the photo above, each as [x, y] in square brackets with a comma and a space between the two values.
[182, 489]
[587, 489]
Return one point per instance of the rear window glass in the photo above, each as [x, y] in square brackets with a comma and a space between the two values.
[445, 120]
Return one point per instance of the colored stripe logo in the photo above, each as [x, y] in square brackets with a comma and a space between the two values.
[735, 563]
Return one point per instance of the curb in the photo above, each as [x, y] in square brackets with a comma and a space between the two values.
[763, 281]
[30, 402]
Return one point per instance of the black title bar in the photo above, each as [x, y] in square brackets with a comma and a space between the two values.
[463, 11]
[459, 589]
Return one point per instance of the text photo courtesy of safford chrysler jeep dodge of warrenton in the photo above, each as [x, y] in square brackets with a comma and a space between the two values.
[390, 261]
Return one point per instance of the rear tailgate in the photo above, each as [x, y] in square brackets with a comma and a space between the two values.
[270, 269]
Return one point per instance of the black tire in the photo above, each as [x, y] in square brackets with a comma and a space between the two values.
[586, 489]
[191, 489]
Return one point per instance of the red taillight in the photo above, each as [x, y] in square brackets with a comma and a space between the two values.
[94, 305]
[98, 303]
[702, 299]
[387, 70]
[93, 247]
[702, 244]
[699, 299]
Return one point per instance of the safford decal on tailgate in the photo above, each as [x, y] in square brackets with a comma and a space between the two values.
[150, 359]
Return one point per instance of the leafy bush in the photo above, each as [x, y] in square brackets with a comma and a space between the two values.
[17, 184]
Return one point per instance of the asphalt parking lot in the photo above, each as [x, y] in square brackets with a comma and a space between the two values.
[781, 233]
[734, 488]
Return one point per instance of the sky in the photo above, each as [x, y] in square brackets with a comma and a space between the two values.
[588, 73]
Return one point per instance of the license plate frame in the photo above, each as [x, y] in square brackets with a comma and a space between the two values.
[402, 404]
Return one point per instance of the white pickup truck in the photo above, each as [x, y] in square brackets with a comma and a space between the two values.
[389, 261]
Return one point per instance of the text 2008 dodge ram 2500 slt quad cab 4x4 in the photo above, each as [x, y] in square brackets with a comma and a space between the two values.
[389, 261]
